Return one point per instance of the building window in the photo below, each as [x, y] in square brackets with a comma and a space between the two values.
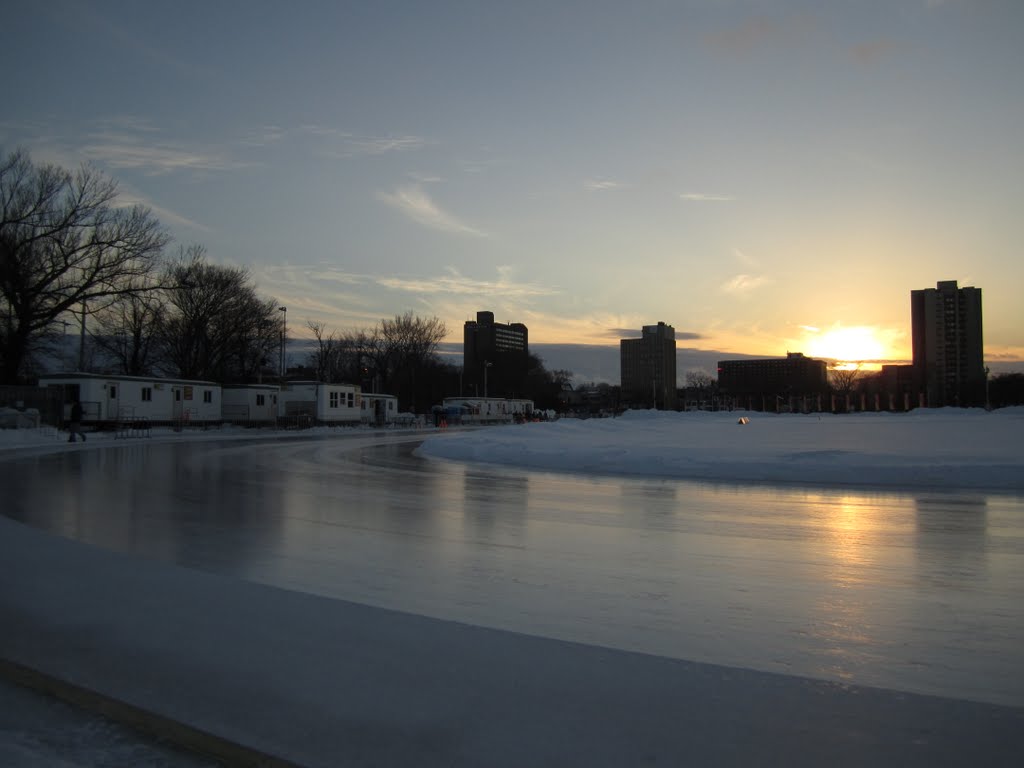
[260, 400]
[207, 395]
[147, 394]
[334, 400]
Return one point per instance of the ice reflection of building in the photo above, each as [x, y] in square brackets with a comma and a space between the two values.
[952, 539]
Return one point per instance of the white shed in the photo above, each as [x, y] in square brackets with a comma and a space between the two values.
[323, 403]
[379, 409]
[250, 403]
[110, 400]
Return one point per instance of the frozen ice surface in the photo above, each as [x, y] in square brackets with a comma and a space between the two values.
[760, 611]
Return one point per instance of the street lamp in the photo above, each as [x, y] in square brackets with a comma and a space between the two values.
[487, 365]
[284, 333]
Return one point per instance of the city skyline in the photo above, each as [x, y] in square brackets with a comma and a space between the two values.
[765, 177]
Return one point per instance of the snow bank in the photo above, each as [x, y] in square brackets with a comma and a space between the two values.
[942, 448]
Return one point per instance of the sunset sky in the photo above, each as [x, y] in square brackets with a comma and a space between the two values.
[764, 176]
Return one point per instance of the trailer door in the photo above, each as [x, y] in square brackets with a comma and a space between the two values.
[111, 410]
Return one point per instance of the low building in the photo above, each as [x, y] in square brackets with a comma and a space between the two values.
[378, 410]
[320, 403]
[114, 400]
[250, 403]
[776, 383]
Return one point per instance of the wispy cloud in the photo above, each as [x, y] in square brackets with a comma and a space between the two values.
[704, 197]
[745, 259]
[264, 136]
[741, 285]
[632, 333]
[379, 145]
[128, 198]
[121, 150]
[600, 185]
[355, 145]
[505, 286]
[412, 201]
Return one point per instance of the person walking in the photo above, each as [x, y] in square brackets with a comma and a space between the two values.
[75, 427]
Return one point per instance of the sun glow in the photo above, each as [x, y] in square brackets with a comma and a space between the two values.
[846, 345]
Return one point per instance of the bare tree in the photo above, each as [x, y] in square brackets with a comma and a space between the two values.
[127, 331]
[698, 379]
[215, 326]
[64, 245]
[409, 344]
[844, 379]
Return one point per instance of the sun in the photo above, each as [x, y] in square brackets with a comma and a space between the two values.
[847, 345]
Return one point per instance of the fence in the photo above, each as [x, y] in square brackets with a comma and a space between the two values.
[48, 401]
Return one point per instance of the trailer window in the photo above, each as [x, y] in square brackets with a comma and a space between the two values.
[113, 391]
[260, 400]
[334, 400]
[147, 394]
[207, 395]
[351, 400]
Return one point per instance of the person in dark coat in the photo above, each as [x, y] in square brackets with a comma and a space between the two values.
[75, 427]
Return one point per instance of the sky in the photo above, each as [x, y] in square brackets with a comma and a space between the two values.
[765, 176]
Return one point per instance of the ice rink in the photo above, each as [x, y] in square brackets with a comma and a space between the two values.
[894, 613]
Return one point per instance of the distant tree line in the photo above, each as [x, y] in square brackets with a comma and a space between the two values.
[400, 357]
[71, 256]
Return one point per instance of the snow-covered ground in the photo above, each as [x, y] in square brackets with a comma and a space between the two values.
[943, 448]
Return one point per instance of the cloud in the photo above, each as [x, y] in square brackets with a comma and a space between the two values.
[456, 283]
[745, 259]
[703, 197]
[379, 145]
[119, 150]
[740, 285]
[599, 185]
[417, 205]
[264, 136]
[632, 333]
[126, 199]
[353, 145]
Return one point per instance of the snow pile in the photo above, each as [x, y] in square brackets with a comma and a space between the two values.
[942, 448]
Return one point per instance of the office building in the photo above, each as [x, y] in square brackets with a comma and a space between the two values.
[648, 368]
[949, 355]
[495, 356]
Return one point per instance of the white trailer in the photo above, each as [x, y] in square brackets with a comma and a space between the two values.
[379, 409]
[319, 402]
[486, 410]
[250, 403]
[109, 401]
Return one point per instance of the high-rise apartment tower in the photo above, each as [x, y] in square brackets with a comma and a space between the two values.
[949, 355]
[495, 356]
[648, 367]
